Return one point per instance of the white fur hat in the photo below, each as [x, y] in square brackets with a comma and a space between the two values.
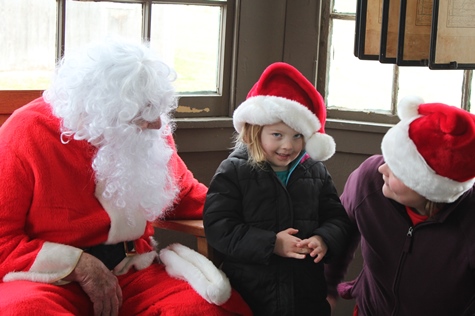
[431, 149]
[282, 93]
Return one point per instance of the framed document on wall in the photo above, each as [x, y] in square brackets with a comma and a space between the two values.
[414, 32]
[369, 31]
[453, 35]
[389, 31]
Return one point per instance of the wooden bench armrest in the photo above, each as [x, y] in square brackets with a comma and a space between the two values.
[192, 227]
[188, 226]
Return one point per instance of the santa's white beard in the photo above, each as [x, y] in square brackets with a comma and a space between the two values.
[133, 166]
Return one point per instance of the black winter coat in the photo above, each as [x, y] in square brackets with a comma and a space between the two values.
[246, 207]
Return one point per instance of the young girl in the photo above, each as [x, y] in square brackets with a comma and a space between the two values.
[272, 209]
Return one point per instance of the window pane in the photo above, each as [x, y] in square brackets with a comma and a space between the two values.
[355, 84]
[188, 38]
[27, 44]
[91, 21]
[443, 86]
[344, 6]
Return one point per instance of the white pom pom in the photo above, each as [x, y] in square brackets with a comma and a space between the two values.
[320, 146]
[408, 107]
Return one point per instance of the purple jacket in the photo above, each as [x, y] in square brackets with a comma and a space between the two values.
[428, 269]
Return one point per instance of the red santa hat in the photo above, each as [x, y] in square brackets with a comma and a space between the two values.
[431, 149]
[283, 94]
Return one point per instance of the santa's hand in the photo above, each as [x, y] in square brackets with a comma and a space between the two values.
[100, 284]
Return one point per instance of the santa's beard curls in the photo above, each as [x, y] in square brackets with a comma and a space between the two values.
[132, 165]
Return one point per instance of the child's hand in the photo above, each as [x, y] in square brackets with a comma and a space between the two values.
[286, 245]
[317, 245]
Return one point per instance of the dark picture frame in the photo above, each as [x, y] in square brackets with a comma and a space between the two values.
[357, 28]
[369, 30]
[453, 35]
[389, 31]
[414, 40]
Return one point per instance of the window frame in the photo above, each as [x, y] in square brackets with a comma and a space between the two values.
[327, 17]
[207, 105]
[244, 57]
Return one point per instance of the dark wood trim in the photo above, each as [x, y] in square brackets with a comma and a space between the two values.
[192, 227]
[10, 100]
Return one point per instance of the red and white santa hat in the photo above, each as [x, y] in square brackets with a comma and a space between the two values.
[282, 93]
[431, 149]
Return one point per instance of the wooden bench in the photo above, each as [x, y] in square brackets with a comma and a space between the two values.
[10, 100]
[195, 228]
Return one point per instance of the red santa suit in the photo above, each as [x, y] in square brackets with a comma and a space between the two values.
[50, 210]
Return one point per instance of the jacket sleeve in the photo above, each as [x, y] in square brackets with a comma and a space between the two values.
[23, 257]
[223, 220]
[337, 268]
[335, 226]
[192, 193]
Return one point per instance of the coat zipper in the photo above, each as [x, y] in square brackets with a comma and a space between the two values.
[406, 249]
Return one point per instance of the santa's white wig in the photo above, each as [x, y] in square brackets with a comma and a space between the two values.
[108, 84]
[100, 93]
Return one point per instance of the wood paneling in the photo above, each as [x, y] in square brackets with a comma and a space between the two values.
[10, 100]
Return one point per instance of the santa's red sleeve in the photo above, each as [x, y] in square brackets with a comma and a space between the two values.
[48, 206]
[24, 254]
[190, 201]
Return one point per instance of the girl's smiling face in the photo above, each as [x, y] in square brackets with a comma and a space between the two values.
[281, 145]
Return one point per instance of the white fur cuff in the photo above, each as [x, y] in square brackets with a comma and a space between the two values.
[186, 264]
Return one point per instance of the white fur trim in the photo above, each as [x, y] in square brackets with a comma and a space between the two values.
[120, 228]
[408, 107]
[53, 262]
[186, 264]
[320, 146]
[266, 110]
[404, 160]
[139, 262]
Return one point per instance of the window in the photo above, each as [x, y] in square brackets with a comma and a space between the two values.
[27, 49]
[193, 37]
[368, 90]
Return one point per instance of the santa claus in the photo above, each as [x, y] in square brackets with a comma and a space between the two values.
[85, 169]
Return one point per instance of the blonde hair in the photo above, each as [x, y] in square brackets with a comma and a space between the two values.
[250, 136]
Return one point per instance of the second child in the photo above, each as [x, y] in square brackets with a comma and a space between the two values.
[272, 209]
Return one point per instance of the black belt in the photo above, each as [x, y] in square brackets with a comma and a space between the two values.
[112, 255]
